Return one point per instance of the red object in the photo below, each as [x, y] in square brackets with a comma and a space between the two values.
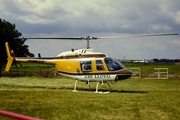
[17, 116]
[12, 53]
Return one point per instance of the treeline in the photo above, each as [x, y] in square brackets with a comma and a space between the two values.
[166, 60]
[155, 60]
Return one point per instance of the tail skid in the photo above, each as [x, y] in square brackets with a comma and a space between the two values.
[10, 58]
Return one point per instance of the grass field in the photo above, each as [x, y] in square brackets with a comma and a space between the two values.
[53, 99]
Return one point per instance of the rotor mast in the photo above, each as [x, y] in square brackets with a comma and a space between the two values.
[88, 38]
[87, 44]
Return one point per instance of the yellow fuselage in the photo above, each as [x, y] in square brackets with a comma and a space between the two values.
[82, 67]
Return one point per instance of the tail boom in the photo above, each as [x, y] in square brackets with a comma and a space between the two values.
[10, 59]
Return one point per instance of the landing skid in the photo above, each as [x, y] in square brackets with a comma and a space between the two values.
[97, 86]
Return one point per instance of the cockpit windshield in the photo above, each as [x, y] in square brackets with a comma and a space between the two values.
[113, 64]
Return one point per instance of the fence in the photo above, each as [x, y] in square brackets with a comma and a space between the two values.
[155, 73]
[162, 73]
[136, 72]
[46, 71]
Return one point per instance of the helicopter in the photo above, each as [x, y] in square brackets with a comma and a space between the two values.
[83, 65]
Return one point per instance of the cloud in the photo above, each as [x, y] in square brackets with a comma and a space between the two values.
[67, 18]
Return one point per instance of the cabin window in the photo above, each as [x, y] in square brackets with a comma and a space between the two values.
[113, 64]
[99, 65]
[86, 65]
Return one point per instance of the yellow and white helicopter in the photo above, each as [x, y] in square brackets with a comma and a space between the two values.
[83, 65]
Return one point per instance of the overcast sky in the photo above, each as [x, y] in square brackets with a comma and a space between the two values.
[101, 18]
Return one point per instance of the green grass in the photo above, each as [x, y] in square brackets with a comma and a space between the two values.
[53, 99]
[32, 67]
[152, 65]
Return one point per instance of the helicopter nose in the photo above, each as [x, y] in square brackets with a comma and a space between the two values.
[125, 74]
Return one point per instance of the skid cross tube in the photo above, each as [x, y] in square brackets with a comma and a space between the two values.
[97, 85]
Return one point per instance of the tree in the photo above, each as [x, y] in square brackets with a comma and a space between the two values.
[7, 34]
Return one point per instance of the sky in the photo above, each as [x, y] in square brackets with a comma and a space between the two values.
[98, 18]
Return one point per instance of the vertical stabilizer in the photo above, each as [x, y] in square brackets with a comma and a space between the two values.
[10, 58]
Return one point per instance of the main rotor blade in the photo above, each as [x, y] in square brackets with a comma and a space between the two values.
[52, 38]
[63, 38]
[94, 38]
[145, 35]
